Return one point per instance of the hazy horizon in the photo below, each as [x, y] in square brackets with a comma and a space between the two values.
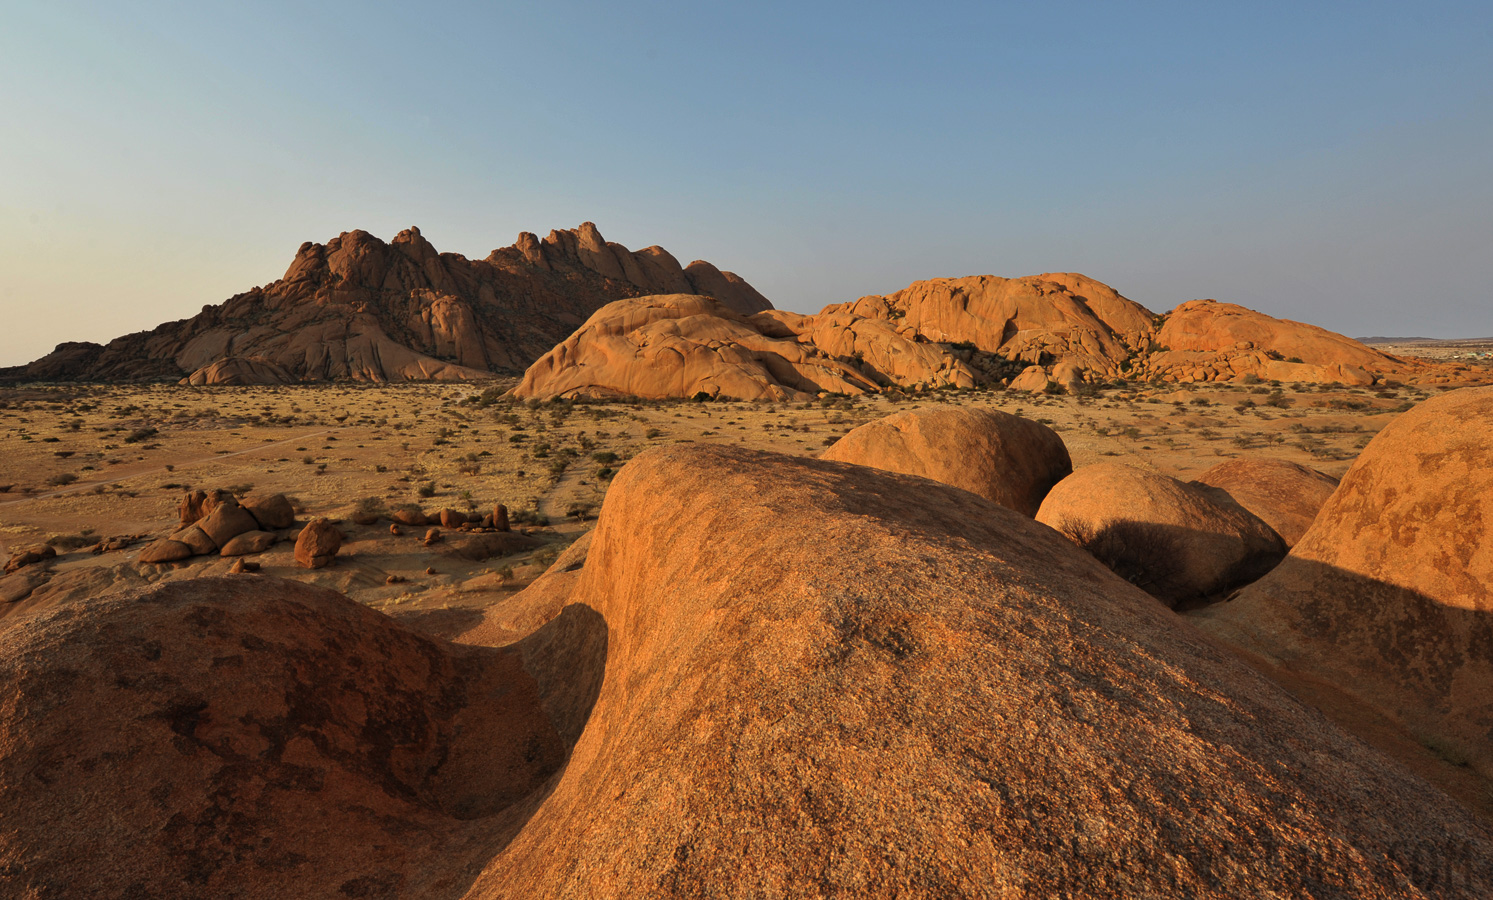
[1328, 167]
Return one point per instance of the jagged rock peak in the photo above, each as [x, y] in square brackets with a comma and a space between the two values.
[359, 308]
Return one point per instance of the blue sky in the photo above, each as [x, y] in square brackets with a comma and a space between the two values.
[1326, 162]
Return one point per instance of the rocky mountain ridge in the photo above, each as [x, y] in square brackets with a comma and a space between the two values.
[361, 309]
[357, 308]
[1024, 333]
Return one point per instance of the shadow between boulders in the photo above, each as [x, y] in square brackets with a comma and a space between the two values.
[1422, 670]
[445, 624]
[1153, 556]
[566, 660]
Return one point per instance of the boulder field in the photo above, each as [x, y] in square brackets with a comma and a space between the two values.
[1056, 316]
[766, 676]
[1389, 594]
[357, 308]
[1060, 329]
[683, 345]
[1205, 340]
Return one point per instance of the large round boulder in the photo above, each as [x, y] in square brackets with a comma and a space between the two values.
[684, 346]
[1285, 495]
[1032, 379]
[884, 687]
[249, 542]
[1389, 595]
[271, 511]
[1179, 542]
[1004, 458]
[221, 737]
[164, 551]
[193, 536]
[317, 544]
[226, 522]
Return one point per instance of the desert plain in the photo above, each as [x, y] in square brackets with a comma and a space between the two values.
[84, 463]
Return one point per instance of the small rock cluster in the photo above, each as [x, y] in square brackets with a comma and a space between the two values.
[217, 522]
[452, 519]
[30, 556]
[40, 553]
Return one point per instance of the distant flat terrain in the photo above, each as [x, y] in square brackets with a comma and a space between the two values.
[1434, 348]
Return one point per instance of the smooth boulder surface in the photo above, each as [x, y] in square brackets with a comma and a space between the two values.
[536, 605]
[193, 536]
[271, 511]
[1389, 596]
[70, 586]
[223, 737]
[1205, 340]
[249, 542]
[164, 551]
[1286, 496]
[1033, 380]
[1008, 459]
[226, 522]
[1062, 316]
[1179, 542]
[925, 694]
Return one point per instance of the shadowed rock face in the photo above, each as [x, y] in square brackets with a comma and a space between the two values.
[1180, 542]
[774, 677]
[1286, 496]
[254, 738]
[1004, 458]
[358, 308]
[239, 370]
[1389, 595]
[1070, 328]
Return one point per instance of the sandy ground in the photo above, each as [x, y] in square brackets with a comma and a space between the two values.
[81, 463]
[1467, 350]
